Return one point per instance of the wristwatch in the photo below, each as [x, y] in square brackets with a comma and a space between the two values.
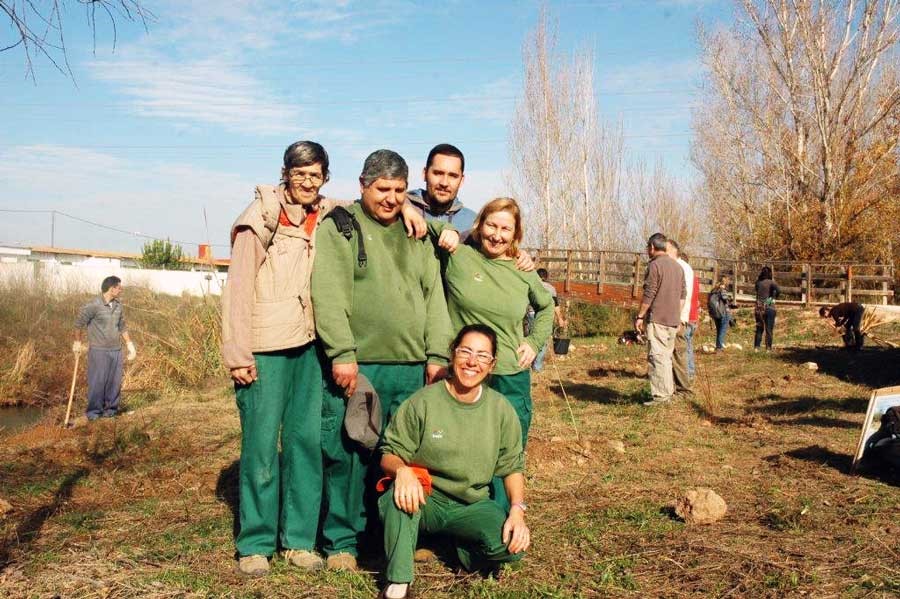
[521, 505]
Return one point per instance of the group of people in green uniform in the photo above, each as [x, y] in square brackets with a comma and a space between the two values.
[322, 294]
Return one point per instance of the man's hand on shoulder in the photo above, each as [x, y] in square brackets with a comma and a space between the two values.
[524, 261]
[413, 221]
[449, 240]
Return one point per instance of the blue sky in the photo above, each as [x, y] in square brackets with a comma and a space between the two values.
[167, 135]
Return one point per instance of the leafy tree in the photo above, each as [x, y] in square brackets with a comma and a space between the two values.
[162, 254]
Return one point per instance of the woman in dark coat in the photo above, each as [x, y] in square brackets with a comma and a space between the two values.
[764, 312]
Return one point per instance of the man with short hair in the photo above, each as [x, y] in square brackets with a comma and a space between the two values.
[444, 174]
[105, 323]
[683, 355]
[660, 316]
[380, 312]
[268, 345]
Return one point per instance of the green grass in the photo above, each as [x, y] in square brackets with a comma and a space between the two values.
[82, 522]
[189, 579]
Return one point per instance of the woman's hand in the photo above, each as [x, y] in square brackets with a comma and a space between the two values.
[526, 355]
[449, 240]
[244, 375]
[516, 535]
[408, 491]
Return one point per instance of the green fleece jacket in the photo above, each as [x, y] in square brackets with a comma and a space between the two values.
[391, 311]
[462, 445]
[493, 292]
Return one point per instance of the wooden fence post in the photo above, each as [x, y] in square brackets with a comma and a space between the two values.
[886, 271]
[568, 269]
[602, 274]
[734, 280]
[637, 274]
[809, 285]
[849, 289]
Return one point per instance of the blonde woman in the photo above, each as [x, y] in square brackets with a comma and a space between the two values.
[483, 286]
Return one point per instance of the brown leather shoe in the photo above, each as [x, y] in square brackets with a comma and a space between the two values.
[303, 559]
[424, 555]
[253, 565]
[341, 561]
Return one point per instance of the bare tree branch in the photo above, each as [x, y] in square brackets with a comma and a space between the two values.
[37, 28]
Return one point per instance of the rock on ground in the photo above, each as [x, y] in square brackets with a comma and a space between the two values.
[811, 365]
[700, 506]
[616, 446]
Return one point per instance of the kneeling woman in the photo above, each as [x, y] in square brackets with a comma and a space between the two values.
[463, 433]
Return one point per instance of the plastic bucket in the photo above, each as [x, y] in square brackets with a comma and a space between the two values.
[561, 345]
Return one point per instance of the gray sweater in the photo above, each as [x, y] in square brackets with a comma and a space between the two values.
[104, 323]
[664, 291]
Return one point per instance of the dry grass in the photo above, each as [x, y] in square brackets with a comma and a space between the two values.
[144, 505]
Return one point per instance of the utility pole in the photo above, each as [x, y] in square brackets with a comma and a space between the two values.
[52, 228]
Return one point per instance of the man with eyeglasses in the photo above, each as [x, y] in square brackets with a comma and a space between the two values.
[384, 317]
[268, 337]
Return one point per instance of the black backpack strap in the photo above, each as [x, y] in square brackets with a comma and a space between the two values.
[346, 224]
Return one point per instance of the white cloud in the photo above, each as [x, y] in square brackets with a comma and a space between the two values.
[202, 91]
[194, 65]
[676, 75]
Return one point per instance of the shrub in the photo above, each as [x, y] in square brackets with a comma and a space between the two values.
[162, 254]
[587, 320]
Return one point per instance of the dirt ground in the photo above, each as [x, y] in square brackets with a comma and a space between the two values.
[144, 505]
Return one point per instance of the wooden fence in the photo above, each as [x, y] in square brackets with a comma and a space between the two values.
[618, 277]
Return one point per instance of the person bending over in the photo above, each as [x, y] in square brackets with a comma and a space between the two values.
[847, 315]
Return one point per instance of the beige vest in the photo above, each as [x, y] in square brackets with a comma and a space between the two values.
[282, 310]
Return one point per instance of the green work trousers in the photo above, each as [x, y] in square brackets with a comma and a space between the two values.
[280, 498]
[517, 389]
[476, 528]
[350, 470]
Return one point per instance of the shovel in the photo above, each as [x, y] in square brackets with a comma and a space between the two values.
[72, 390]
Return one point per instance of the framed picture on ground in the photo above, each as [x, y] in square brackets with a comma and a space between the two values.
[881, 400]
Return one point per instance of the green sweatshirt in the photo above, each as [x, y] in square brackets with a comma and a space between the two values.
[390, 311]
[462, 445]
[493, 292]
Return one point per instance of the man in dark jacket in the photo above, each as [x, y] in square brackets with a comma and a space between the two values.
[847, 315]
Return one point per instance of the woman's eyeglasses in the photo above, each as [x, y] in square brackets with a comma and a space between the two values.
[314, 178]
[464, 353]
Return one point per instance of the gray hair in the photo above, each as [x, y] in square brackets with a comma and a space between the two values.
[383, 164]
[658, 242]
[305, 153]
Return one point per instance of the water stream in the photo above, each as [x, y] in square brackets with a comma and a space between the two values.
[16, 418]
